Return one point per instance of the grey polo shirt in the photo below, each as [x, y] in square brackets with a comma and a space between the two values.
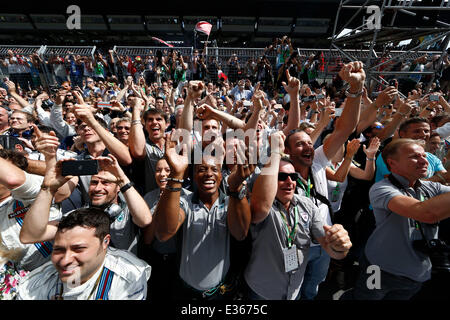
[205, 254]
[265, 272]
[153, 154]
[390, 244]
[124, 233]
[152, 199]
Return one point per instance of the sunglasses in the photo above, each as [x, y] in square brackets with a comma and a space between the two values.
[122, 127]
[282, 176]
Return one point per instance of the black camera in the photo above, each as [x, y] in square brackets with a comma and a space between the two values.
[437, 250]
[80, 167]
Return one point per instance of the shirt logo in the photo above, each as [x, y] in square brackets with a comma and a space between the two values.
[19, 210]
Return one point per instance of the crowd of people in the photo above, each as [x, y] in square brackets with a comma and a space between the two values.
[172, 177]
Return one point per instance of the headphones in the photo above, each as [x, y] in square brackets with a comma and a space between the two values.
[112, 210]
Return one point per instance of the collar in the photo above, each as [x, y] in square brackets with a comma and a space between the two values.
[86, 155]
[405, 182]
[196, 199]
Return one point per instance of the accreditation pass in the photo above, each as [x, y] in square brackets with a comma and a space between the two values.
[290, 258]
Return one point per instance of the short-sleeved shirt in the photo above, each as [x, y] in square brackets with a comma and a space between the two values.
[434, 165]
[390, 245]
[12, 213]
[205, 253]
[265, 272]
[153, 154]
[318, 170]
[152, 199]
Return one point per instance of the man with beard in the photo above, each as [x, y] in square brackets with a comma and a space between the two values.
[127, 209]
[311, 165]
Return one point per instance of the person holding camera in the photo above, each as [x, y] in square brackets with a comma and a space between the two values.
[407, 210]
[127, 209]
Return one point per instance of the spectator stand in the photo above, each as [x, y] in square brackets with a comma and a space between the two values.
[63, 51]
[243, 55]
[19, 51]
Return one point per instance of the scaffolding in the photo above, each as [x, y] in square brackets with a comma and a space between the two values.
[396, 19]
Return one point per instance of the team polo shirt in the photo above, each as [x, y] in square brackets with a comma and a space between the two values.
[390, 245]
[205, 253]
[153, 154]
[265, 272]
[12, 214]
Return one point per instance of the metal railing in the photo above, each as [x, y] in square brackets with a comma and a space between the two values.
[330, 60]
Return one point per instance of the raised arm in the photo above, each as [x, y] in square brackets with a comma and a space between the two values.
[207, 112]
[169, 216]
[369, 114]
[36, 227]
[140, 213]
[56, 117]
[265, 186]
[341, 173]
[292, 88]
[113, 145]
[403, 110]
[369, 170]
[12, 91]
[195, 89]
[238, 213]
[136, 141]
[353, 73]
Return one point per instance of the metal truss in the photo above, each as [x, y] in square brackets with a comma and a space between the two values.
[391, 30]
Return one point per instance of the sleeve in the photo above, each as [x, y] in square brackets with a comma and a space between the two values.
[29, 190]
[43, 117]
[317, 223]
[58, 122]
[435, 162]
[381, 193]
[137, 290]
[320, 158]
[444, 131]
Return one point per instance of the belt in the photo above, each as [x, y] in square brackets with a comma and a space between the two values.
[220, 288]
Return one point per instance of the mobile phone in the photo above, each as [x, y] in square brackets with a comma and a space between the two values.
[104, 104]
[393, 82]
[434, 97]
[79, 167]
[338, 112]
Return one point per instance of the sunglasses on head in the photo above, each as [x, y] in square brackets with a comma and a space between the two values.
[282, 176]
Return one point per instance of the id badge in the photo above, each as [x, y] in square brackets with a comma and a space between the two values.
[290, 258]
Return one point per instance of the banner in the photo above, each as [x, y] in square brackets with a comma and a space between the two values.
[162, 41]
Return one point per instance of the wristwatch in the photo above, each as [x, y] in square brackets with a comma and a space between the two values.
[237, 194]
